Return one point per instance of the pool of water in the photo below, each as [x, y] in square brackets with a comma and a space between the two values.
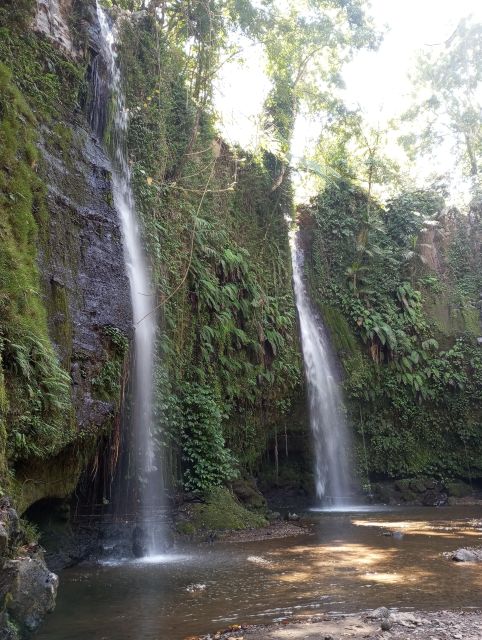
[347, 564]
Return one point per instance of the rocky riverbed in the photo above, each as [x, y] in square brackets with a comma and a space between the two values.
[274, 531]
[392, 625]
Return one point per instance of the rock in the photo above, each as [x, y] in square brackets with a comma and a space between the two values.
[403, 485]
[467, 555]
[52, 19]
[377, 614]
[273, 516]
[386, 624]
[193, 588]
[33, 592]
[139, 542]
[249, 495]
[405, 619]
[418, 486]
[3, 539]
[293, 517]
[458, 489]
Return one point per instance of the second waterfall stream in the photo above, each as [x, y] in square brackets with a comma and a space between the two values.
[144, 479]
[330, 435]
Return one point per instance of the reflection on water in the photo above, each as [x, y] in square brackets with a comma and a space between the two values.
[351, 508]
[350, 564]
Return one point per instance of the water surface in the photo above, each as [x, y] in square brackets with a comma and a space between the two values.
[347, 565]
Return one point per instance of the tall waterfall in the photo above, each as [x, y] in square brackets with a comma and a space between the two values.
[147, 476]
[329, 429]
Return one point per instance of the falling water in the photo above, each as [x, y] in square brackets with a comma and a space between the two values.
[329, 429]
[148, 476]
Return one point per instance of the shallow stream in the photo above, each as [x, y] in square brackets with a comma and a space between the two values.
[347, 564]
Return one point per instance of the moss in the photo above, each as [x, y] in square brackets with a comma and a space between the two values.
[60, 321]
[37, 407]
[344, 342]
[17, 13]
[222, 511]
[35, 480]
[107, 384]
[229, 320]
[472, 322]
[49, 81]
[457, 489]
[62, 137]
[185, 528]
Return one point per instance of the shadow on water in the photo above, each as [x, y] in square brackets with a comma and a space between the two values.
[350, 562]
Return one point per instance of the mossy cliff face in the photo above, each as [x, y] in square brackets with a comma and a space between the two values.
[216, 236]
[401, 299]
[64, 293]
[229, 369]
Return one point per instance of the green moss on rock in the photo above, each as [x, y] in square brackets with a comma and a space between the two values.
[222, 511]
[36, 403]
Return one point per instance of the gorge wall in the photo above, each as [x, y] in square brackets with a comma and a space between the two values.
[229, 369]
[400, 292]
[229, 378]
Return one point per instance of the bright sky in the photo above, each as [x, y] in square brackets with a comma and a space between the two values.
[376, 81]
[379, 80]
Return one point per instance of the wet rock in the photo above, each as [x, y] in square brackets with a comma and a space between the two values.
[418, 486]
[434, 498]
[193, 588]
[405, 619]
[377, 614]
[3, 540]
[33, 591]
[458, 489]
[467, 555]
[52, 19]
[293, 517]
[139, 542]
[249, 495]
[386, 624]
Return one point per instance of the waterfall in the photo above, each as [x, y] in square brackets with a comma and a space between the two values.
[326, 412]
[148, 479]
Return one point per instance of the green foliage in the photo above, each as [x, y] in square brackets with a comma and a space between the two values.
[17, 13]
[412, 393]
[107, 384]
[447, 86]
[221, 511]
[48, 80]
[207, 461]
[29, 532]
[217, 241]
[35, 390]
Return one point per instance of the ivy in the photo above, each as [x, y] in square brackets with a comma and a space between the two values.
[208, 463]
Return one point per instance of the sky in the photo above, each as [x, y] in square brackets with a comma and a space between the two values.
[380, 79]
[377, 82]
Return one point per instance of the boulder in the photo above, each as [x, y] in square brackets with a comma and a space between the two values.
[379, 614]
[458, 489]
[418, 486]
[33, 592]
[249, 495]
[405, 619]
[467, 555]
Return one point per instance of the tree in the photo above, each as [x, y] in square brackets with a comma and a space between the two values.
[448, 101]
[306, 44]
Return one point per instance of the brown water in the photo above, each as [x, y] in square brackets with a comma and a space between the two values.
[346, 565]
